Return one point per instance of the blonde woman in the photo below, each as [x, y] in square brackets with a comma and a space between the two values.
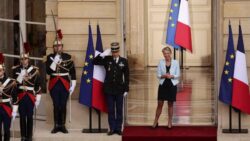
[168, 73]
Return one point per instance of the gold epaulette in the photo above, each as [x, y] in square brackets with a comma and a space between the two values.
[65, 61]
[12, 79]
[35, 67]
[14, 67]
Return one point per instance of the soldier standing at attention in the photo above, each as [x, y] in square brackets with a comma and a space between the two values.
[116, 85]
[29, 93]
[61, 69]
[8, 99]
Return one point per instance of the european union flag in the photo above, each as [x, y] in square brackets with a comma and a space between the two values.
[225, 94]
[85, 97]
[172, 22]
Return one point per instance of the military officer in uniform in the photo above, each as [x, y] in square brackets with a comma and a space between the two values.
[61, 69]
[8, 99]
[116, 85]
[29, 94]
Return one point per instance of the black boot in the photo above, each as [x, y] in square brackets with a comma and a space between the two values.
[0, 131]
[6, 135]
[29, 128]
[56, 120]
[23, 128]
[63, 120]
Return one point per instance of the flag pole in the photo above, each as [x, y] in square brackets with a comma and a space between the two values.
[100, 130]
[90, 119]
[230, 130]
[174, 53]
[90, 123]
[182, 67]
[99, 120]
[230, 118]
[243, 131]
[239, 119]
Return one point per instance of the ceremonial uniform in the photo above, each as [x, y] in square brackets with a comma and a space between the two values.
[8, 96]
[116, 83]
[59, 87]
[28, 88]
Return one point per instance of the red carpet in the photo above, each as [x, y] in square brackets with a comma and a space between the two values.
[177, 133]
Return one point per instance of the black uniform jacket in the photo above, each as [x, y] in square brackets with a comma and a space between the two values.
[117, 74]
[9, 91]
[32, 81]
[66, 66]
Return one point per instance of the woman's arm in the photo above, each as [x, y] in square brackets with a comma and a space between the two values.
[177, 71]
[159, 76]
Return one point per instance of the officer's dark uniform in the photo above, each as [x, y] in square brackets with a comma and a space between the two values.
[115, 84]
[7, 96]
[27, 91]
[59, 85]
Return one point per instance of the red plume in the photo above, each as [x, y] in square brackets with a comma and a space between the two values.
[26, 47]
[59, 33]
[1, 58]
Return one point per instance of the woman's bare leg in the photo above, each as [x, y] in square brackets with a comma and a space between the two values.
[158, 112]
[170, 113]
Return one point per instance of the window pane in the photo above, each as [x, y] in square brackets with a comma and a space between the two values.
[9, 42]
[9, 9]
[35, 10]
[36, 38]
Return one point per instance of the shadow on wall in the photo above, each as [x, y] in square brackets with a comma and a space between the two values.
[136, 62]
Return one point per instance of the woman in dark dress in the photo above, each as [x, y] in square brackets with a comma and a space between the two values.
[168, 73]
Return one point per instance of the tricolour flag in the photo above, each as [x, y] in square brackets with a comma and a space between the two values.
[226, 83]
[183, 29]
[85, 96]
[241, 97]
[172, 22]
[98, 97]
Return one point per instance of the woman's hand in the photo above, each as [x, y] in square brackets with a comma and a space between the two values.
[167, 76]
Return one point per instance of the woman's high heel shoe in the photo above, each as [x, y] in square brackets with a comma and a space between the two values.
[169, 126]
[155, 125]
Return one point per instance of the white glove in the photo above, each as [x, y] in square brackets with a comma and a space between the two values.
[125, 94]
[21, 75]
[72, 87]
[38, 100]
[14, 112]
[106, 53]
[56, 61]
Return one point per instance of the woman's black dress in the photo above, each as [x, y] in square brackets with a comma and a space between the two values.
[167, 91]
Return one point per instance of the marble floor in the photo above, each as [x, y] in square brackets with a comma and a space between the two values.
[195, 103]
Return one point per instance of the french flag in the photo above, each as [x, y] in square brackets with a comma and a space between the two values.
[98, 97]
[183, 28]
[241, 97]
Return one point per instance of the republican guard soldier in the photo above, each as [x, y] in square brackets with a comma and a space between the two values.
[116, 85]
[29, 93]
[8, 101]
[61, 69]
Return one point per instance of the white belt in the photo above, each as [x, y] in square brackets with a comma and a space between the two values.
[26, 88]
[4, 100]
[60, 74]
